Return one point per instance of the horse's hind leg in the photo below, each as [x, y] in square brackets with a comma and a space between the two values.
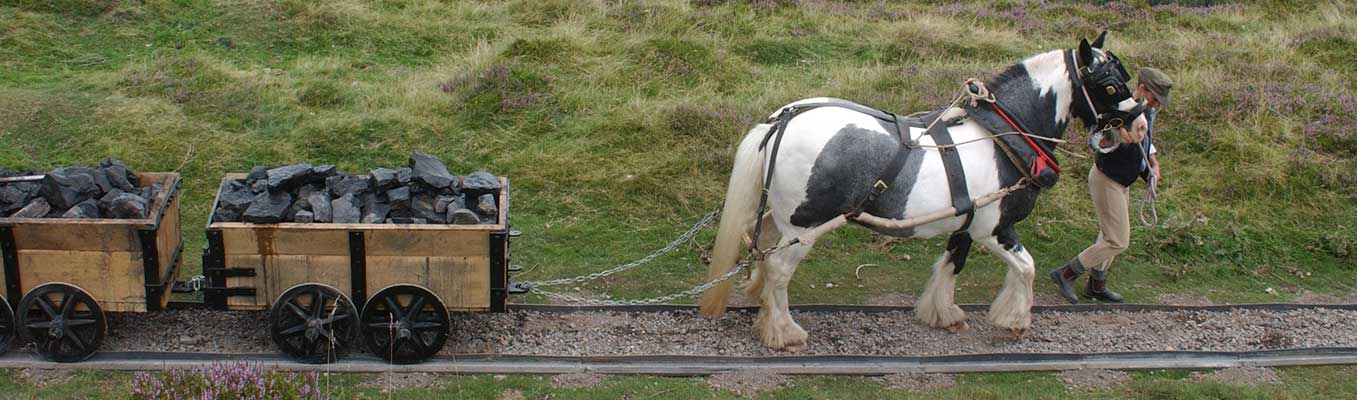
[1012, 309]
[775, 327]
[937, 307]
[767, 240]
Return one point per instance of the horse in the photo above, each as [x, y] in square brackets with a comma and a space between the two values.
[827, 157]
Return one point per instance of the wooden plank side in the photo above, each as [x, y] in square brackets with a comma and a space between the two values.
[168, 237]
[77, 237]
[427, 243]
[275, 274]
[463, 283]
[271, 241]
[261, 298]
[114, 279]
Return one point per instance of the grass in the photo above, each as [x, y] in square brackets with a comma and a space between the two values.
[1301, 383]
[617, 120]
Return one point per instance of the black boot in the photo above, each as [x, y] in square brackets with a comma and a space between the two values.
[1097, 288]
[1065, 278]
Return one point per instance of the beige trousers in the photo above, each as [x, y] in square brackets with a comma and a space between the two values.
[1111, 201]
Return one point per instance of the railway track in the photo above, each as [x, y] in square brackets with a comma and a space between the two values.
[680, 365]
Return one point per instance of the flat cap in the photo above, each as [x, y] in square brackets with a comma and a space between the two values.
[1157, 82]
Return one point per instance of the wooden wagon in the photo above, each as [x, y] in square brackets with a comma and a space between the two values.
[328, 285]
[63, 274]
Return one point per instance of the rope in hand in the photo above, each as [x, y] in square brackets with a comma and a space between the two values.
[1151, 190]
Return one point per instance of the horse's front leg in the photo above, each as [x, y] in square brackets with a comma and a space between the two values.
[1012, 309]
[937, 306]
[776, 328]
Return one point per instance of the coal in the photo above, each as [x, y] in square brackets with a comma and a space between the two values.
[268, 207]
[375, 213]
[88, 209]
[233, 200]
[38, 208]
[341, 185]
[321, 207]
[430, 171]
[445, 202]
[123, 205]
[463, 216]
[65, 187]
[256, 174]
[326, 170]
[12, 198]
[423, 192]
[345, 211]
[399, 197]
[485, 206]
[108, 191]
[383, 179]
[288, 177]
[479, 183]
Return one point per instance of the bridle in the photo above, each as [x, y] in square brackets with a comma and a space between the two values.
[1108, 79]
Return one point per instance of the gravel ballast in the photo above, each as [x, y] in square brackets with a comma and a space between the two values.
[895, 333]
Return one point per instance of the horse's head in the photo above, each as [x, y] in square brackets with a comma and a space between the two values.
[1102, 98]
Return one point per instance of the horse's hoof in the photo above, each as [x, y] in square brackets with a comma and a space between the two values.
[958, 327]
[1017, 332]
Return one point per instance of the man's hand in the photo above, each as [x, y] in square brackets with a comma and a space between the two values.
[1154, 172]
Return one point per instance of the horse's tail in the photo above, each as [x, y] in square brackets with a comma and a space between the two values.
[737, 218]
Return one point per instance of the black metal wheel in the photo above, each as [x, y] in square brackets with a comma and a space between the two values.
[65, 323]
[313, 323]
[405, 324]
[7, 330]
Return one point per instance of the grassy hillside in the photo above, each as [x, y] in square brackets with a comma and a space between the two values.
[616, 120]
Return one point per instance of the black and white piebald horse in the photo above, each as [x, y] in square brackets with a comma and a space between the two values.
[830, 156]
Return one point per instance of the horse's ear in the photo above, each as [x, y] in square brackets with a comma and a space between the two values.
[1085, 51]
[1098, 43]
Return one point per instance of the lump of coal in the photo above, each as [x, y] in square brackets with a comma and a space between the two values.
[383, 178]
[423, 206]
[341, 185]
[304, 217]
[268, 207]
[288, 177]
[234, 200]
[85, 210]
[13, 197]
[486, 206]
[405, 175]
[430, 171]
[406, 220]
[399, 197]
[65, 187]
[375, 213]
[36, 209]
[345, 211]
[117, 175]
[463, 216]
[123, 205]
[480, 182]
[321, 208]
[326, 170]
[256, 174]
[445, 202]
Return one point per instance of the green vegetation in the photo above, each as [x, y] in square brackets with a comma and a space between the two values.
[616, 120]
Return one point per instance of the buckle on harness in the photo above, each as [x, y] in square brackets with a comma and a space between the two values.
[880, 185]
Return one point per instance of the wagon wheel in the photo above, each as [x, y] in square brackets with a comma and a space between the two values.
[313, 323]
[405, 324]
[6, 325]
[65, 323]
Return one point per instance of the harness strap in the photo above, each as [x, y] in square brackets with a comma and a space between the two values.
[956, 175]
[779, 127]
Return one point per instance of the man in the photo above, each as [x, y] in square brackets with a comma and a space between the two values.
[1117, 166]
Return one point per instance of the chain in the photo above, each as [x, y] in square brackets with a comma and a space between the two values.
[687, 293]
[672, 245]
